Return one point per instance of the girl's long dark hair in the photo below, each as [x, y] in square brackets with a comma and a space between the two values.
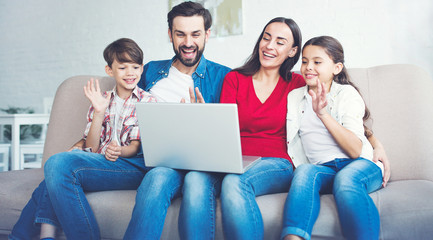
[334, 49]
[252, 65]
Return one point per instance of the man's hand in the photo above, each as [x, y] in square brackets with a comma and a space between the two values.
[200, 98]
[113, 151]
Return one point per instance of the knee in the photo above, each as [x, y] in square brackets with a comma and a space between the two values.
[157, 179]
[195, 184]
[231, 188]
[304, 174]
[56, 165]
[346, 183]
[196, 190]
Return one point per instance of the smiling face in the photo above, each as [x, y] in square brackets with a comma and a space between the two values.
[276, 45]
[316, 64]
[127, 76]
[189, 39]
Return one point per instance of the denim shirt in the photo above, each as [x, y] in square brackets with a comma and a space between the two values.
[208, 77]
[345, 105]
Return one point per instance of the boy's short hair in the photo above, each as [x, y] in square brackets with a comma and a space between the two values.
[123, 50]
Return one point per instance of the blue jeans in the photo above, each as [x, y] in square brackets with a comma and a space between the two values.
[197, 215]
[38, 210]
[157, 189]
[67, 176]
[241, 215]
[350, 180]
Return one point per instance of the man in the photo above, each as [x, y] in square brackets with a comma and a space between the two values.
[169, 81]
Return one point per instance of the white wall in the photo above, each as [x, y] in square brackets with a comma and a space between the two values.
[44, 42]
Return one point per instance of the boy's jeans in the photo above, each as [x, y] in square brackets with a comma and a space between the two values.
[67, 176]
[350, 180]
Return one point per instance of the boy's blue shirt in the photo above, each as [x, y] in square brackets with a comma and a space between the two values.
[208, 77]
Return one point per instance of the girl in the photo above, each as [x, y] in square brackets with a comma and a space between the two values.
[325, 128]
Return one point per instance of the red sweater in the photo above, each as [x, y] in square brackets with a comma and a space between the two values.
[262, 125]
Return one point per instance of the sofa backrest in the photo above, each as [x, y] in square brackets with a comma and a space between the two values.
[68, 114]
[398, 96]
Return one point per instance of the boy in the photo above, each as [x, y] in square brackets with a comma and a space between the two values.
[112, 115]
[111, 134]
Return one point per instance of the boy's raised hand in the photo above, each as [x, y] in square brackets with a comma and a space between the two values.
[319, 98]
[93, 93]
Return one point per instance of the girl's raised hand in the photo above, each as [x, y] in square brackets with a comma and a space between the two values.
[319, 98]
[93, 93]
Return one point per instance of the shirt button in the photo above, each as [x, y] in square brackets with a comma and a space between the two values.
[153, 82]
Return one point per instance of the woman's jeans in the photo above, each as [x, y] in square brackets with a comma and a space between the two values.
[67, 176]
[350, 180]
[241, 215]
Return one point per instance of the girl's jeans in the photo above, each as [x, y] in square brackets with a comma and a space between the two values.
[68, 176]
[350, 180]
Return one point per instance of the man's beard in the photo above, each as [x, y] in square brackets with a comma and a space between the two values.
[187, 61]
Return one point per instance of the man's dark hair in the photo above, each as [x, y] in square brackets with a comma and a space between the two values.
[189, 9]
[123, 50]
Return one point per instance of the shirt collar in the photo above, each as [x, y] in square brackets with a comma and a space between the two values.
[201, 68]
[135, 92]
[199, 71]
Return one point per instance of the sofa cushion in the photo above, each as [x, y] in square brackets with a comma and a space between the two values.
[16, 188]
[405, 209]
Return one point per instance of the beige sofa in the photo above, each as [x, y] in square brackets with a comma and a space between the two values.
[400, 98]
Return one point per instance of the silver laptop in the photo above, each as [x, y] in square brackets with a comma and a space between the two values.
[192, 136]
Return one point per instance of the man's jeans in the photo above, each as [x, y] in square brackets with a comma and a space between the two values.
[154, 196]
[67, 176]
[158, 188]
[350, 180]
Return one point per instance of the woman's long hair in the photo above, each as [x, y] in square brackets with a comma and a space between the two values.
[334, 49]
[252, 65]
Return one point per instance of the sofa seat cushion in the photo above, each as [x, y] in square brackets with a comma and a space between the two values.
[16, 187]
[405, 209]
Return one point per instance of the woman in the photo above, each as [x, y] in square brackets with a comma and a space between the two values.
[260, 89]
